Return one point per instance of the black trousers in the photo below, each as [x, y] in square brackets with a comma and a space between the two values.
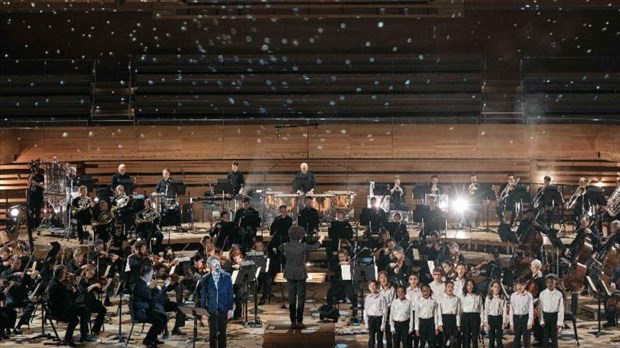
[427, 332]
[414, 337]
[504, 207]
[388, 331]
[521, 331]
[26, 314]
[76, 315]
[470, 324]
[375, 336]
[8, 316]
[296, 299]
[217, 330]
[170, 306]
[401, 334]
[339, 287]
[265, 281]
[99, 308]
[157, 319]
[496, 332]
[550, 330]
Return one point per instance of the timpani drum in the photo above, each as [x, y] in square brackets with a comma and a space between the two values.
[271, 202]
[343, 200]
[323, 203]
[289, 200]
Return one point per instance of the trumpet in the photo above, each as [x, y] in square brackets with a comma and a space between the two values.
[473, 187]
[506, 192]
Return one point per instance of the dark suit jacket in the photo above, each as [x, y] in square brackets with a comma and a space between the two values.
[60, 299]
[142, 299]
[295, 253]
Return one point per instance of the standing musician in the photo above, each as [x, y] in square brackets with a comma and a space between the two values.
[236, 179]
[102, 220]
[164, 186]
[234, 264]
[35, 196]
[304, 183]
[506, 201]
[81, 211]
[89, 285]
[435, 188]
[434, 219]
[535, 285]
[377, 218]
[146, 226]
[398, 231]
[295, 273]
[216, 295]
[546, 199]
[138, 260]
[267, 274]
[225, 232]
[123, 209]
[246, 218]
[580, 202]
[309, 217]
[279, 228]
[62, 303]
[474, 195]
[122, 178]
[398, 196]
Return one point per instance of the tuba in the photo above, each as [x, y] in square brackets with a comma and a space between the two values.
[613, 203]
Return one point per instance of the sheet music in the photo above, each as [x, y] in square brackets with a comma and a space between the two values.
[267, 266]
[346, 272]
[431, 265]
[235, 273]
[107, 271]
[172, 269]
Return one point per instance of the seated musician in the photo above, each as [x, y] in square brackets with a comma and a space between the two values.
[377, 218]
[102, 220]
[339, 231]
[247, 219]
[5, 258]
[586, 229]
[89, 286]
[383, 255]
[398, 232]
[432, 246]
[535, 285]
[453, 254]
[225, 232]
[491, 269]
[202, 248]
[234, 264]
[62, 305]
[123, 207]
[279, 228]
[338, 287]
[304, 182]
[81, 206]
[309, 217]
[137, 261]
[118, 243]
[17, 294]
[8, 315]
[434, 219]
[449, 270]
[506, 199]
[74, 266]
[613, 238]
[399, 268]
[266, 276]
[144, 308]
[163, 303]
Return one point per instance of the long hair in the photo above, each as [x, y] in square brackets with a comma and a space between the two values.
[501, 289]
[475, 292]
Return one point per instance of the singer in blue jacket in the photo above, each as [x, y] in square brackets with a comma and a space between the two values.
[216, 295]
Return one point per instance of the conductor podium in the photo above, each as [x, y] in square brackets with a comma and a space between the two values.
[279, 335]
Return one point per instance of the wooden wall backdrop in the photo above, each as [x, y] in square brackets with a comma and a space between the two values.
[341, 155]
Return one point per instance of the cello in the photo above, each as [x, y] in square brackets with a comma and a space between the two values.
[574, 279]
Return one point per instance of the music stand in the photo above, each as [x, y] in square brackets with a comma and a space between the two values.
[506, 234]
[381, 189]
[127, 184]
[247, 275]
[600, 291]
[195, 312]
[224, 187]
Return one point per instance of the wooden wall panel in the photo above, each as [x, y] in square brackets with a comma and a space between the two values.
[9, 146]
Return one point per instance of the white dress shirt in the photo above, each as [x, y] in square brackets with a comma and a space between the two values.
[400, 310]
[388, 293]
[375, 306]
[413, 295]
[552, 302]
[472, 303]
[450, 304]
[459, 283]
[439, 288]
[426, 308]
[521, 304]
[495, 306]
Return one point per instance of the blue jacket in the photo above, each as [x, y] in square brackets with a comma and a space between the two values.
[218, 299]
[142, 300]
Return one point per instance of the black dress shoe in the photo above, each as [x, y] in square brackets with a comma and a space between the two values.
[107, 302]
[166, 334]
[178, 332]
[261, 302]
[69, 343]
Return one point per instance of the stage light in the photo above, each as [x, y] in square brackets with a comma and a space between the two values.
[14, 212]
[460, 205]
[599, 184]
